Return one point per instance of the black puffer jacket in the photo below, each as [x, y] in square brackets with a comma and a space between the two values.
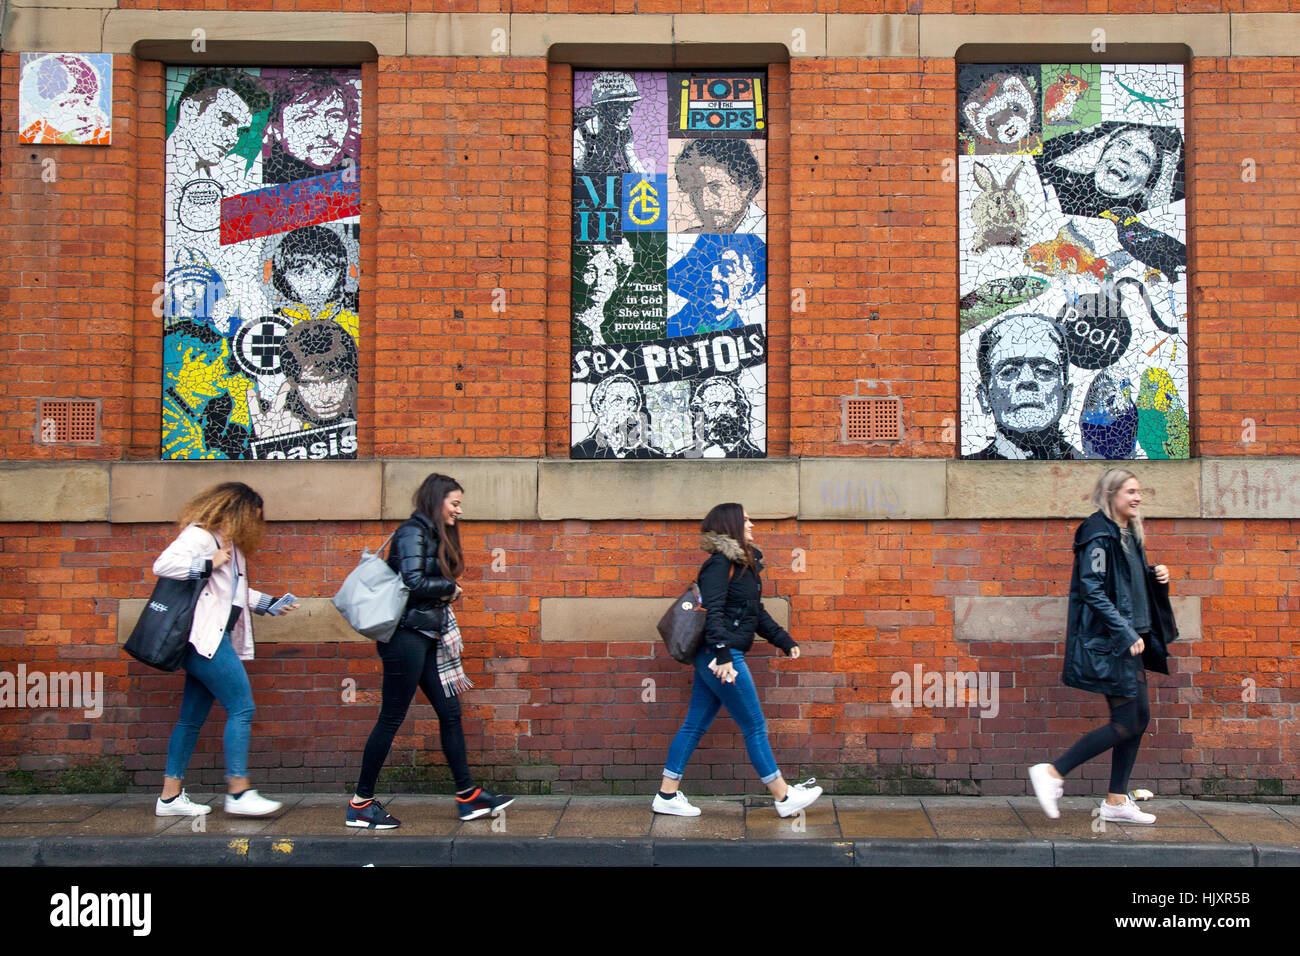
[1100, 629]
[734, 601]
[414, 555]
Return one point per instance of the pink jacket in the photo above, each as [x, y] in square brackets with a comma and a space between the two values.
[190, 556]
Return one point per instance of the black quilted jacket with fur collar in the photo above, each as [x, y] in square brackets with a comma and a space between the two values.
[734, 601]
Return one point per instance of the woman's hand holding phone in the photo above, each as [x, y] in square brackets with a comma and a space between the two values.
[724, 672]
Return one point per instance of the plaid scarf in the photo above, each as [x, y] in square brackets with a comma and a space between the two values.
[450, 672]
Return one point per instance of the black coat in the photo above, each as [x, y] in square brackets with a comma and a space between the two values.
[414, 555]
[734, 600]
[1100, 629]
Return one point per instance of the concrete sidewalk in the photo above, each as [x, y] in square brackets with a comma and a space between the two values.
[118, 830]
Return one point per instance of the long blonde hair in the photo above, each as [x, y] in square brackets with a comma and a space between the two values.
[1103, 496]
[232, 509]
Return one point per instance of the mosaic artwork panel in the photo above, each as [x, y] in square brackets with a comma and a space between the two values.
[262, 240]
[704, 105]
[620, 122]
[65, 99]
[620, 293]
[716, 282]
[1073, 309]
[680, 397]
[719, 186]
[669, 266]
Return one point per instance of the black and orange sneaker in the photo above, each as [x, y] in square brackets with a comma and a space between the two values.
[372, 816]
[480, 803]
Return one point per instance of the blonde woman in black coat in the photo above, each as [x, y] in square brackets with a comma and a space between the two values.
[1120, 624]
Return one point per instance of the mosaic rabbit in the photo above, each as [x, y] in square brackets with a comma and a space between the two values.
[999, 214]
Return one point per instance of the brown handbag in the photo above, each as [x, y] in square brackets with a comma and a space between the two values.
[682, 626]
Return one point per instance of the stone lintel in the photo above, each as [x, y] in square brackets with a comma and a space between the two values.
[496, 489]
[54, 491]
[1026, 619]
[316, 621]
[665, 490]
[293, 491]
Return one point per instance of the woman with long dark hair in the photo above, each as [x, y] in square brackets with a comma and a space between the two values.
[731, 590]
[219, 528]
[424, 652]
[1120, 625]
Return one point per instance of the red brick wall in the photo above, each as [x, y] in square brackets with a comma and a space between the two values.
[462, 200]
[862, 220]
[470, 195]
[1245, 255]
[67, 270]
[873, 230]
[874, 598]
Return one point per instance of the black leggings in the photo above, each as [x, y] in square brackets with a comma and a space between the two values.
[1129, 717]
[411, 661]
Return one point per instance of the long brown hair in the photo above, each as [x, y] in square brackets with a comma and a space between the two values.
[232, 509]
[428, 501]
[729, 518]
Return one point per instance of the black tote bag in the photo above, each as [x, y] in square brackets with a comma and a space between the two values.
[162, 634]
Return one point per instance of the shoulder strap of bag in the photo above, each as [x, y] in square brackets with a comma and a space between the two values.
[731, 576]
[386, 540]
[234, 560]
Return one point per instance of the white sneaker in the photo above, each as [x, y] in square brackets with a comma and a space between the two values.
[678, 806]
[1126, 812]
[1047, 789]
[251, 804]
[797, 797]
[181, 806]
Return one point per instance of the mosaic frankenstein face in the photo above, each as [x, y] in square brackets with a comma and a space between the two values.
[1026, 390]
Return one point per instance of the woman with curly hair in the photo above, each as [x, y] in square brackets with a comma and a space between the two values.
[219, 528]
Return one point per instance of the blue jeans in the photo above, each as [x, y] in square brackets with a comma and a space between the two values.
[221, 678]
[741, 698]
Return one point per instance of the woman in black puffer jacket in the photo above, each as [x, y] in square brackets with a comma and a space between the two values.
[424, 652]
[731, 591]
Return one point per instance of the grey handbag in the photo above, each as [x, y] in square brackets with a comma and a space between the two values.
[373, 597]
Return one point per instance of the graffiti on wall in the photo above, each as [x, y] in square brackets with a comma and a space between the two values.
[1073, 310]
[262, 248]
[66, 98]
[669, 265]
